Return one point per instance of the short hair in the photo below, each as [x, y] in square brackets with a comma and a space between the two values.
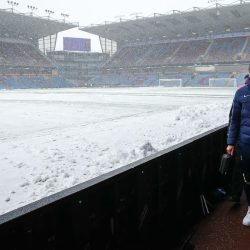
[246, 76]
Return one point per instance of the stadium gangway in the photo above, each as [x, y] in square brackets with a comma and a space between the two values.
[154, 203]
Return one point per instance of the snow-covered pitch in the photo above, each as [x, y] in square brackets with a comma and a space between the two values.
[56, 138]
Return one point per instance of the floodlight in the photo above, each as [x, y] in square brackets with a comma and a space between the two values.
[32, 9]
[64, 16]
[49, 12]
[13, 4]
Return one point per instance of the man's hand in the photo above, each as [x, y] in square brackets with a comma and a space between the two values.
[230, 149]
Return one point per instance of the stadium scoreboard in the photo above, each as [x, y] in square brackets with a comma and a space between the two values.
[76, 44]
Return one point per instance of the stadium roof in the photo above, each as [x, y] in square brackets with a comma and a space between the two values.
[31, 25]
[213, 20]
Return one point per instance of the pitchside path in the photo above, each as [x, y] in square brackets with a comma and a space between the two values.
[223, 229]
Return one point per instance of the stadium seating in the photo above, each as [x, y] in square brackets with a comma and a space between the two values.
[181, 53]
[225, 49]
[19, 54]
[190, 52]
[125, 79]
[159, 54]
[152, 79]
[246, 52]
[26, 56]
[195, 52]
[153, 54]
[25, 82]
[23, 66]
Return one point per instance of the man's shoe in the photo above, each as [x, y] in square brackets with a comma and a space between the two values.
[246, 220]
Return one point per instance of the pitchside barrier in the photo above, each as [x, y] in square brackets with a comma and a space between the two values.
[150, 204]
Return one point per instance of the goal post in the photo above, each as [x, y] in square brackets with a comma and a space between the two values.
[170, 82]
[223, 82]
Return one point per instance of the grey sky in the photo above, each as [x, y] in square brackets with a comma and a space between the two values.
[97, 11]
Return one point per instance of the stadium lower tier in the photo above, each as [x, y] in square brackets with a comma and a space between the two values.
[223, 79]
[128, 80]
[24, 82]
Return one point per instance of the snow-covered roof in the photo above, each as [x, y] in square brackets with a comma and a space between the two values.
[30, 25]
[196, 22]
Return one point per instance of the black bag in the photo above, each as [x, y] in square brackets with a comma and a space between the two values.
[226, 164]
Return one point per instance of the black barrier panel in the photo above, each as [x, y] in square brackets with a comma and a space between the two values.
[146, 205]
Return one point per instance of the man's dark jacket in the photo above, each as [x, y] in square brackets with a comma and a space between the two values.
[240, 120]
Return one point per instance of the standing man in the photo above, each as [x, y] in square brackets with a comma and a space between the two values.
[239, 129]
[237, 179]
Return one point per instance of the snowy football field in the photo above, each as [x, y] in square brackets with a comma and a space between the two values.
[56, 138]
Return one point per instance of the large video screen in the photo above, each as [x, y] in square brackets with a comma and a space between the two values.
[76, 44]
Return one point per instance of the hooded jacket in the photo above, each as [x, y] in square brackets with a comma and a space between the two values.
[240, 120]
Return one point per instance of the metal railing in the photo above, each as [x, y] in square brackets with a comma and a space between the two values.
[147, 204]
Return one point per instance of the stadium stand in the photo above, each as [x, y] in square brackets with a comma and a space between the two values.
[18, 54]
[152, 79]
[22, 64]
[190, 52]
[178, 46]
[26, 82]
[224, 50]
[125, 79]
[147, 49]
[246, 53]
[160, 54]
[78, 67]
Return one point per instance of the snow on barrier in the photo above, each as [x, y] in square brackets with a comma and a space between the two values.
[147, 204]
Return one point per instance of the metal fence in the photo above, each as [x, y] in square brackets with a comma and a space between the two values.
[146, 205]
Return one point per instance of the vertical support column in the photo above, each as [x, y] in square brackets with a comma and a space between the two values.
[50, 43]
[44, 47]
[55, 41]
[111, 50]
[105, 42]
[100, 40]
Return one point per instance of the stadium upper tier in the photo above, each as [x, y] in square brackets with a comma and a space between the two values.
[29, 25]
[177, 25]
[223, 50]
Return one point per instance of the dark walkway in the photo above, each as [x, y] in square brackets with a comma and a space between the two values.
[223, 229]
